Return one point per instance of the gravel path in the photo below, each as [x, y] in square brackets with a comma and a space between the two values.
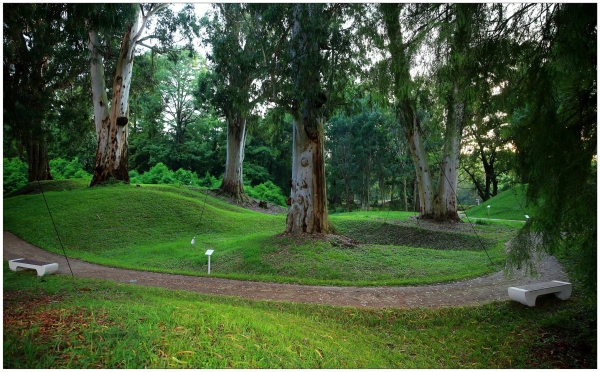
[464, 293]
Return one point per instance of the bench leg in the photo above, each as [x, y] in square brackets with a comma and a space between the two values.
[564, 294]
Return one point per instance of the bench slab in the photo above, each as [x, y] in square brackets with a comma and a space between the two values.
[42, 268]
[527, 294]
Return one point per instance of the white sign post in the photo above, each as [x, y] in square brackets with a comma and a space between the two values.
[208, 253]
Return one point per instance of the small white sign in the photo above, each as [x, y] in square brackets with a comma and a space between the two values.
[209, 252]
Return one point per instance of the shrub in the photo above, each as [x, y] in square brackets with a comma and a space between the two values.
[15, 175]
[267, 191]
[62, 169]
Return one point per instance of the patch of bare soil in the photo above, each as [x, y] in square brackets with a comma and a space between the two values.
[469, 292]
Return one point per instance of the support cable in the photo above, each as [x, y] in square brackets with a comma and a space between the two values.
[468, 219]
[55, 229]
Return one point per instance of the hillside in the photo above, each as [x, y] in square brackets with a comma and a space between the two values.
[151, 228]
[507, 205]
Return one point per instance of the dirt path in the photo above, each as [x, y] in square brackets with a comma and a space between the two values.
[464, 293]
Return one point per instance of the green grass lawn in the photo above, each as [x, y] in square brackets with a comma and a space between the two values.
[150, 228]
[65, 322]
[507, 205]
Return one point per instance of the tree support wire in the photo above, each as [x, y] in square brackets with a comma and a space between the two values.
[55, 229]
[468, 219]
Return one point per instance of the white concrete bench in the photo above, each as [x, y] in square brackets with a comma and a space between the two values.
[527, 294]
[42, 268]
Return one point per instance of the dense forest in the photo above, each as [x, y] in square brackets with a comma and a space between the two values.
[320, 108]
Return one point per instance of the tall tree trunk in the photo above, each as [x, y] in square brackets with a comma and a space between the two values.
[111, 126]
[112, 151]
[233, 183]
[445, 200]
[308, 199]
[37, 160]
[423, 175]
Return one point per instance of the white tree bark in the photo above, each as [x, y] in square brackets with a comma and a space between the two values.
[446, 206]
[233, 181]
[111, 125]
[419, 156]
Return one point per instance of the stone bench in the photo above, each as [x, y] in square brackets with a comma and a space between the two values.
[42, 268]
[527, 294]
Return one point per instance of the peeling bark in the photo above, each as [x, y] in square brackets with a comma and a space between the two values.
[308, 199]
[233, 182]
[111, 127]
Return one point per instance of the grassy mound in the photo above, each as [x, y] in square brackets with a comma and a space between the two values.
[508, 205]
[48, 186]
[150, 228]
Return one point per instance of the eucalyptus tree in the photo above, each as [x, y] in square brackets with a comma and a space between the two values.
[132, 20]
[455, 33]
[231, 86]
[309, 58]
[40, 58]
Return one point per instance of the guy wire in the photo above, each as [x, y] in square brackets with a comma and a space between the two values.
[55, 229]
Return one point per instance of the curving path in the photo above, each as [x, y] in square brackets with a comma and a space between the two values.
[464, 293]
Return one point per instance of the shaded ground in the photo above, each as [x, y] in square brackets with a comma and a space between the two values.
[464, 293]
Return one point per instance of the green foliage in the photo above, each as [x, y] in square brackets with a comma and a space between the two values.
[368, 157]
[267, 191]
[554, 126]
[15, 175]
[160, 174]
[63, 169]
[15, 172]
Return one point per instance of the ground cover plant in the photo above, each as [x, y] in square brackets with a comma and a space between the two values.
[151, 227]
[65, 322]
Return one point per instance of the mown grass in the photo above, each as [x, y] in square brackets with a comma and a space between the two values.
[62, 322]
[150, 228]
[507, 205]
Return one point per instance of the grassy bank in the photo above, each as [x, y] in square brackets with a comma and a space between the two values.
[150, 228]
[507, 205]
[61, 322]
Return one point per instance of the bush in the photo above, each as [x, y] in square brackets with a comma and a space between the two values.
[15, 175]
[62, 169]
[267, 191]
[160, 174]
[210, 181]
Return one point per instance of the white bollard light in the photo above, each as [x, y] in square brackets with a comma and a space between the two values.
[488, 210]
[209, 253]
[194, 240]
